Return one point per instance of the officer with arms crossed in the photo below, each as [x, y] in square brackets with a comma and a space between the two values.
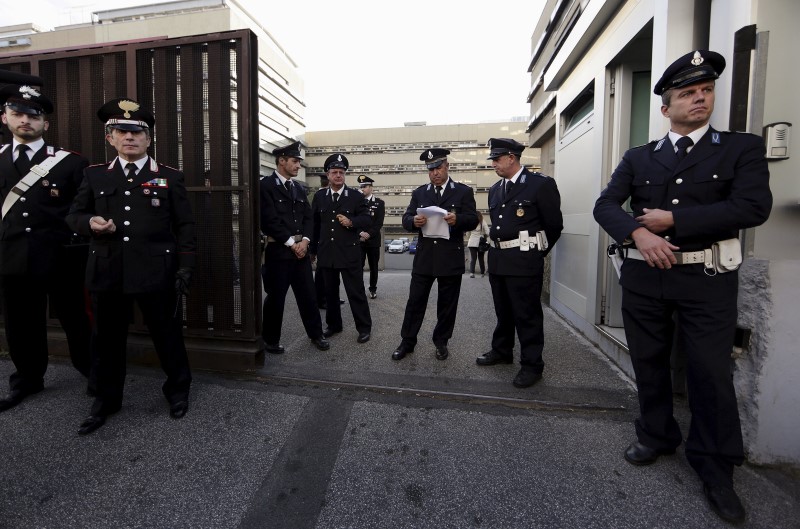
[438, 258]
[287, 222]
[525, 208]
[37, 264]
[371, 237]
[689, 191]
[142, 250]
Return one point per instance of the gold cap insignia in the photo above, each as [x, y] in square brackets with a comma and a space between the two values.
[128, 107]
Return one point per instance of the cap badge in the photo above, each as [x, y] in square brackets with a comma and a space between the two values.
[697, 60]
[128, 107]
[28, 92]
[430, 155]
[339, 157]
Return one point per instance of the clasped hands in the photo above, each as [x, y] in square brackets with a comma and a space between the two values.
[99, 225]
[657, 252]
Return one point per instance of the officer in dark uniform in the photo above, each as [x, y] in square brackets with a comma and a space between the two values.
[319, 278]
[525, 208]
[38, 263]
[287, 222]
[692, 188]
[371, 237]
[340, 214]
[438, 258]
[142, 250]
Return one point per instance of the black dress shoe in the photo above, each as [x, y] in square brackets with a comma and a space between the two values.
[373, 295]
[330, 332]
[178, 409]
[526, 379]
[363, 337]
[341, 302]
[442, 352]
[493, 357]
[14, 397]
[401, 352]
[639, 454]
[321, 343]
[724, 502]
[91, 423]
[276, 349]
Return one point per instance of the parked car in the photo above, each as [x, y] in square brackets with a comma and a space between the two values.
[396, 246]
[405, 242]
[412, 246]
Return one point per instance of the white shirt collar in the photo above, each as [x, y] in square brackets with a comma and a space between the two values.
[695, 136]
[140, 163]
[516, 176]
[34, 146]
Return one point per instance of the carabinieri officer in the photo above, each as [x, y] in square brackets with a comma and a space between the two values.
[142, 250]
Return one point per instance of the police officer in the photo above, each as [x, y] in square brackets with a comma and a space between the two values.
[287, 222]
[437, 258]
[694, 187]
[371, 237]
[340, 214]
[525, 208]
[37, 262]
[142, 250]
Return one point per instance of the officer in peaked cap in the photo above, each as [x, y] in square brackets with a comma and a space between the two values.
[139, 218]
[501, 146]
[290, 151]
[693, 67]
[26, 100]
[41, 261]
[689, 190]
[336, 160]
[371, 237]
[433, 158]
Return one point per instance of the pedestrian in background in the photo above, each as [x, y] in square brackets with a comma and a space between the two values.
[40, 260]
[439, 257]
[525, 208]
[690, 193]
[142, 250]
[371, 237]
[478, 244]
[340, 215]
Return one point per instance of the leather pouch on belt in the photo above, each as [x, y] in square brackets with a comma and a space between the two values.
[726, 256]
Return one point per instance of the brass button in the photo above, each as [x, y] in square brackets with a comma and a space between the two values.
[675, 200]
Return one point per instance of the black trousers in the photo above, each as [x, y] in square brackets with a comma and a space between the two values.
[25, 302]
[518, 306]
[706, 329]
[354, 288]
[319, 287]
[475, 254]
[373, 256]
[113, 313]
[446, 308]
[278, 276]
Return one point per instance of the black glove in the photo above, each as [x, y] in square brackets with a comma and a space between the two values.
[182, 279]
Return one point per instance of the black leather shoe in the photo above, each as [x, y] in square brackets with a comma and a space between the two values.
[321, 343]
[330, 332]
[373, 295]
[14, 397]
[178, 409]
[724, 502]
[492, 358]
[276, 349]
[91, 423]
[401, 352]
[639, 454]
[526, 379]
[442, 352]
[363, 337]
[341, 302]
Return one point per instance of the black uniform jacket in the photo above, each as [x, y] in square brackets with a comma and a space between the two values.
[721, 186]
[334, 245]
[377, 212]
[155, 227]
[442, 257]
[533, 204]
[34, 230]
[283, 215]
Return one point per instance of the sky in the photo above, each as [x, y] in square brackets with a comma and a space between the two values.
[370, 63]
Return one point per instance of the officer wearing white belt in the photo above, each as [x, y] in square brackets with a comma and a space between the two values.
[526, 222]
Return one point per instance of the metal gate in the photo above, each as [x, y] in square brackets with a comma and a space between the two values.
[203, 92]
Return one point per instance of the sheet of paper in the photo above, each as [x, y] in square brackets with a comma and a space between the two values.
[436, 227]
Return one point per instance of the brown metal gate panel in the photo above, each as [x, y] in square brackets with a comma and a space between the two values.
[201, 90]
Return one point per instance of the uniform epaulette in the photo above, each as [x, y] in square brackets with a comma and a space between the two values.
[537, 173]
[68, 150]
[651, 142]
[98, 164]
[167, 166]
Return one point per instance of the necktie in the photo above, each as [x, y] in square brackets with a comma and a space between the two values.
[130, 170]
[335, 198]
[288, 185]
[23, 163]
[507, 189]
[683, 143]
[439, 192]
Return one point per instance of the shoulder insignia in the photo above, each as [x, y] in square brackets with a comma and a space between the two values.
[659, 144]
[4, 147]
[155, 164]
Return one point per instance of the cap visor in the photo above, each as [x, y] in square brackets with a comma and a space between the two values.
[24, 108]
[127, 126]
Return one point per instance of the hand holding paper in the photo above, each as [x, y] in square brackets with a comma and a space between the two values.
[435, 227]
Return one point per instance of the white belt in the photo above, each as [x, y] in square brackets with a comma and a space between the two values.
[515, 243]
[297, 238]
[698, 257]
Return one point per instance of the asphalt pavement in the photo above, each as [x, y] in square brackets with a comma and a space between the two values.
[349, 438]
